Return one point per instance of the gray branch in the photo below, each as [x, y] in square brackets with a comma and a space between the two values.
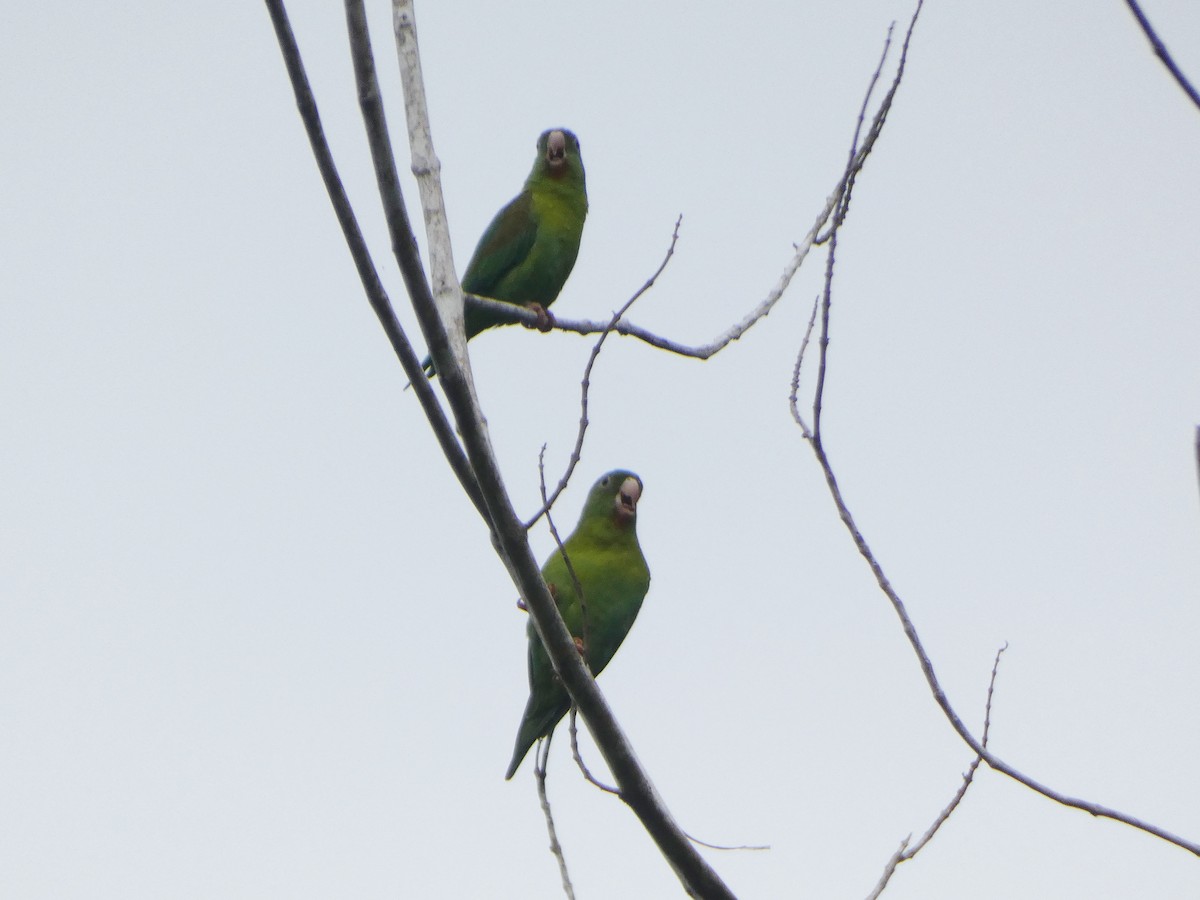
[698, 877]
[939, 695]
[1160, 50]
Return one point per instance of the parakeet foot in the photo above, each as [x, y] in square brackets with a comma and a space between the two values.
[545, 321]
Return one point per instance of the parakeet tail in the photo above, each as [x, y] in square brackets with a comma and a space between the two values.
[533, 726]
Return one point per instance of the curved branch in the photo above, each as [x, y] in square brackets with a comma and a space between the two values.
[885, 585]
[836, 199]
[556, 850]
[970, 776]
[578, 757]
[511, 539]
[939, 695]
[904, 853]
[1160, 50]
[793, 395]
[514, 313]
[578, 588]
[585, 384]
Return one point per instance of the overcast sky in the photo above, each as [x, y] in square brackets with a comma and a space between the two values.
[254, 641]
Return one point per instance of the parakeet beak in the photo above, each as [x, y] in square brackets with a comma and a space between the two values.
[627, 498]
[556, 149]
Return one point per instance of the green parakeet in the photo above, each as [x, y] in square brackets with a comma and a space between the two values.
[612, 572]
[529, 249]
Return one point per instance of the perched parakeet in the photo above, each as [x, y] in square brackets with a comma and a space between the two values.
[528, 251]
[612, 572]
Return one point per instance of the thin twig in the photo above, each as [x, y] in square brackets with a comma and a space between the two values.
[587, 773]
[852, 168]
[939, 694]
[987, 710]
[910, 630]
[367, 274]
[793, 401]
[586, 383]
[905, 853]
[510, 537]
[889, 869]
[596, 782]
[697, 840]
[857, 159]
[512, 313]
[575, 583]
[1198, 454]
[970, 774]
[823, 340]
[539, 772]
[1160, 50]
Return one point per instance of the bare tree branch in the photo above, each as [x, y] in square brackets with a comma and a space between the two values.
[939, 695]
[889, 870]
[800, 253]
[884, 583]
[903, 852]
[793, 396]
[583, 610]
[585, 384]
[858, 159]
[425, 166]
[987, 709]
[514, 313]
[823, 339]
[728, 847]
[595, 782]
[852, 170]
[362, 258]
[698, 878]
[539, 774]
[587, 773]
[492, 501]
[1160, 50]
[970, 775]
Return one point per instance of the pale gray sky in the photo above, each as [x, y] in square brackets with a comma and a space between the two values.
[253, 640]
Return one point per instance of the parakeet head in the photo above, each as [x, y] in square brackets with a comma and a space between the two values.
[558, 154]
[614, 498]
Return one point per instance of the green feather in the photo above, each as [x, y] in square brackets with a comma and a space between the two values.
[612, 573]
[529, 249]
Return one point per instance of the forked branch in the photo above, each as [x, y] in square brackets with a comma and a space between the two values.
[586, 382]
[904, 852]
[815, 439]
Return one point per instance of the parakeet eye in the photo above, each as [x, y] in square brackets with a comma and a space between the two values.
[529, 248]
[610, 570]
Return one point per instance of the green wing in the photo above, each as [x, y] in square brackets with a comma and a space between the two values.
[529, 248]
[612, 572]
[503, 248]
[504, 244]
